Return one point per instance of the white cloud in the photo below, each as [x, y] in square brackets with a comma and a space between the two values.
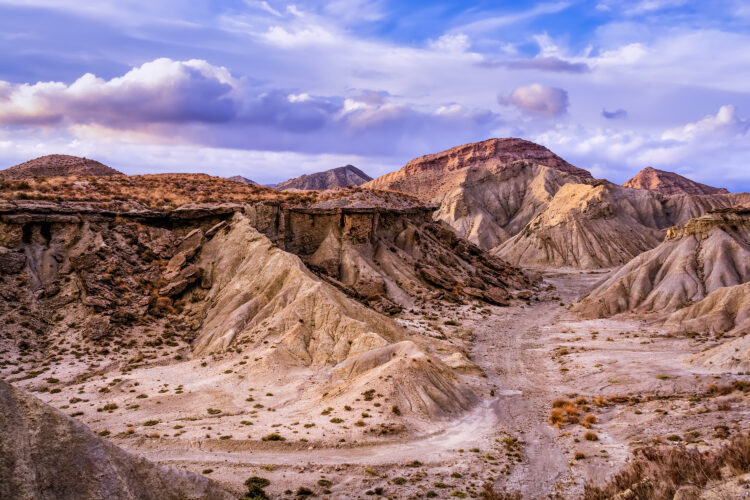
[725, 122]
[538, 99]
[712, 150]
[457, 42]
[297, 37]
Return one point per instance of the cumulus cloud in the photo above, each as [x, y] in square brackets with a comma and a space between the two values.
[538, 99]
[617, 114]
[160, 91]
[194, 102]
[694, 149]
[725, 123]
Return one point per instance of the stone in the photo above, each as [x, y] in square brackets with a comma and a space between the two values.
[191, 243]
[12, 262]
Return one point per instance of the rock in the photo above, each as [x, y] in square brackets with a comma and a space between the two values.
[216, 228]
[94, 301]
[174, 266]
[184, 279]
[190, 244]
[523, 295]
[497, 296]
[12, 262]
[474, 292]
[436, 278]
[97, 327]
[348, 175]
[84, 261]
[669, 183]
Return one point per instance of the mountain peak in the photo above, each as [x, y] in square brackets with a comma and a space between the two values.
[505, 150]
[345, 176]
[665, 182]
[58, 166]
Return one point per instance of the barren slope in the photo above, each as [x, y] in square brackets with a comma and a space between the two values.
[705, 254]
[602, 225]
[47, 455]
[58, 166]
[669, 183]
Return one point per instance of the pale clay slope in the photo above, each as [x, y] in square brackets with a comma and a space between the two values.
[265, 301]
[586, 227]
[723, 311]
[603, 225]
[47, 455]
[704, 255]
[487, 205]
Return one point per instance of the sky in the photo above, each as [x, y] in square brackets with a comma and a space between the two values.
[270, 89]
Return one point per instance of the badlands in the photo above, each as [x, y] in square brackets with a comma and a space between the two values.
[487, 322]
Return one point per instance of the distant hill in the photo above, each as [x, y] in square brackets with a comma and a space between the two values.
[58, 166]
[669, 183]
[348, 175]
[239, 178]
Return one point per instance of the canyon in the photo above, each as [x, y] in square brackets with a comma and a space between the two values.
[487, 319]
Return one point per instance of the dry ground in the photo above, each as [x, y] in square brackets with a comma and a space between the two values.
[211, 415]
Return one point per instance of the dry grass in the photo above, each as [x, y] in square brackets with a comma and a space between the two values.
[155, 191]
[489, 493]
[169, 191]
[657, 472]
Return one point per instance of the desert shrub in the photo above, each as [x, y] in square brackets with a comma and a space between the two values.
[255, 487]
[590, 436]
[657, 472]
[489, 493]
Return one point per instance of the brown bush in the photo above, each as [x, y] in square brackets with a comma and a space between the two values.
[657, 472]
[489, 493]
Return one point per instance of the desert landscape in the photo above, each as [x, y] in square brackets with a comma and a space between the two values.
[488, 322]
[374, 249]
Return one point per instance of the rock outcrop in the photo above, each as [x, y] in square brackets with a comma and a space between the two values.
[45, 454]
[700, 257]
[340, 177]
[669, 183]
[58, 166]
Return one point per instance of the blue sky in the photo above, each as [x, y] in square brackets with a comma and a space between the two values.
[272, 89]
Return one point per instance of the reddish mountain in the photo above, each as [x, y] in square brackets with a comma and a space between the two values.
[669, 183]
[418, 177]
